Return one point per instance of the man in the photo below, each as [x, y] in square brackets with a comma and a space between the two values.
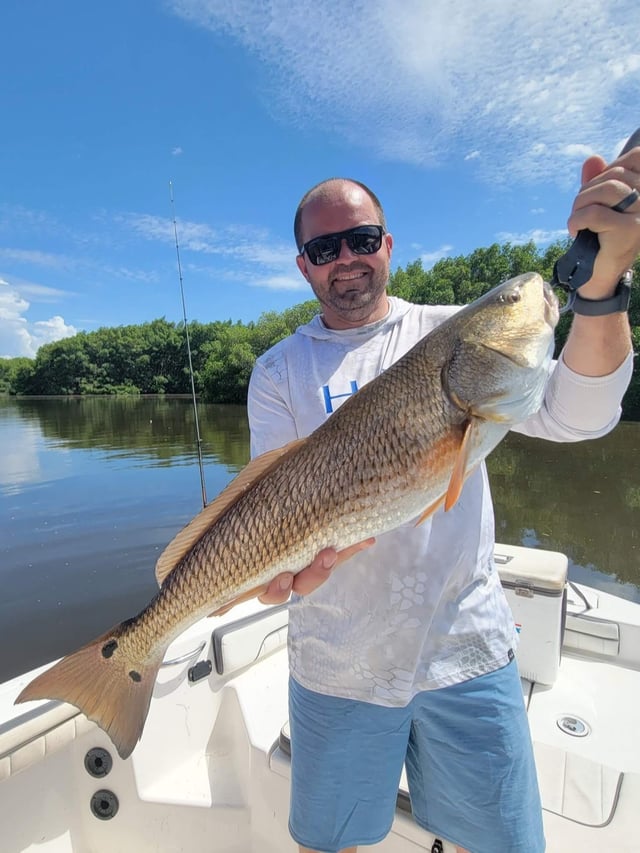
[406, 653]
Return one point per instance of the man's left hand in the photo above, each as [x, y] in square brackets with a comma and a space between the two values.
[604, 186]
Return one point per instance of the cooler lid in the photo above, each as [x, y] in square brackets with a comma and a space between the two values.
[531, 567]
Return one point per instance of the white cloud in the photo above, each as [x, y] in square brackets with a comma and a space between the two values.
[430, 258]
[20, 336]
[11, 303]
[623, 66]
[177, 151]
[42, 292]
[35, 257]
[66, 263]
[579, 152]
[439, 79]
[280, 282]
[191, 235]
[251, 254]
[537, 235]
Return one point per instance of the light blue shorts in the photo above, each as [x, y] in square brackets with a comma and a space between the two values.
[469, 762]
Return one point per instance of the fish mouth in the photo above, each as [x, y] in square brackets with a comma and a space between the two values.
[551, 305]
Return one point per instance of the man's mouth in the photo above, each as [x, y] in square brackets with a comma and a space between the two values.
[350, 276]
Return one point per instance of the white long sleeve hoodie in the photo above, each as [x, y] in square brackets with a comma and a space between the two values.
[423, 608]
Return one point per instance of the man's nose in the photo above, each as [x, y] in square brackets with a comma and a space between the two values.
[345, 251]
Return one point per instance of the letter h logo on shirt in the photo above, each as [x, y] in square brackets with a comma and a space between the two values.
[329, 398]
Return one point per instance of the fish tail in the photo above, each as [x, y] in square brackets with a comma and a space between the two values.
[103, 682]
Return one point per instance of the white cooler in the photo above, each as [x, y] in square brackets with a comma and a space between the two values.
[534, 582]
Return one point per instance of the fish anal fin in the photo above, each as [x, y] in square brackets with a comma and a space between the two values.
[459, 473]
[252, 473]
[104, 685]
[246, 596]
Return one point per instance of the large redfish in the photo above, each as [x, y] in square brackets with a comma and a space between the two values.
[397, 450]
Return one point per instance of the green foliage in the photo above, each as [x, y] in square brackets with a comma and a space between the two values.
[228, 364]
[631, 400]
[152, 358]
[11, 369]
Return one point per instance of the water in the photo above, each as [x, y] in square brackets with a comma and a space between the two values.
[91, 490]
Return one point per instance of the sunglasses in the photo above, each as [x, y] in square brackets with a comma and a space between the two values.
[363, 240]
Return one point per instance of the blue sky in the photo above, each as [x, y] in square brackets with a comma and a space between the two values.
[470, 121]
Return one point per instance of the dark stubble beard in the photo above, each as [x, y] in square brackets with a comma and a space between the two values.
[357, 303]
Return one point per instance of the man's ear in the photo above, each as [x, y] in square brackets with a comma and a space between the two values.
[302, 266]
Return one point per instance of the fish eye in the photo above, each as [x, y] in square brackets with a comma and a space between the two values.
[512, 296]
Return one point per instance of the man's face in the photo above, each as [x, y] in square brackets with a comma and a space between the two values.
[351, 289]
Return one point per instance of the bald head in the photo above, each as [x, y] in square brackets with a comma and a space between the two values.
[350, 284]
[330, 192]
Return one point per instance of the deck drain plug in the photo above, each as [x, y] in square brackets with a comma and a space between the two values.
[98, 762]
[573, 726]
[104, 804]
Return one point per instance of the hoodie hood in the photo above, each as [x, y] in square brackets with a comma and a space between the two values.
[398, 308]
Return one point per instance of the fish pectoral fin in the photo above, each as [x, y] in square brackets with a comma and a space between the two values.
[430, 510]
[459, 473]
[252, 473]
[458, 476]
[246, 596]
[488, 409]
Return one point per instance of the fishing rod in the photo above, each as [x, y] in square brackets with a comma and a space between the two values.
[203, 487]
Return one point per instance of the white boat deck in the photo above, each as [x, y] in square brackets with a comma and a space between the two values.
[210, 773]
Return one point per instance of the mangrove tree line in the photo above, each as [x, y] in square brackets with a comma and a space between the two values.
[151, 358]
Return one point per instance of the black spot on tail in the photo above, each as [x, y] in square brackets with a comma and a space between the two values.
[135, 676]
[109, 648]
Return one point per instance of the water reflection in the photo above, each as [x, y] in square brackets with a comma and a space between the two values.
[92, 489]
[582, 499]
[159, 430]
[19, 458]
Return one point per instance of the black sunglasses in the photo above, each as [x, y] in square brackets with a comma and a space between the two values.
[362, 240]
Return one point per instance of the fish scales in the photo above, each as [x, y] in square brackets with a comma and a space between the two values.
[393, 452]
[368, 452]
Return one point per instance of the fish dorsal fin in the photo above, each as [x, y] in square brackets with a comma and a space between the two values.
[459, 473]
[189, 535]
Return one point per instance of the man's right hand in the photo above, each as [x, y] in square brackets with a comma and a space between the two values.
[312, 576]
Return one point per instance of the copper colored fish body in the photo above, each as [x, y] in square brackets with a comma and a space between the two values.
[397, 450]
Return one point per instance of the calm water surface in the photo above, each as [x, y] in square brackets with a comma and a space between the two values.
[91, 490]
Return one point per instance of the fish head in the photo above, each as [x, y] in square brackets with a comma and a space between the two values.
[501, 351]
[515, 319]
